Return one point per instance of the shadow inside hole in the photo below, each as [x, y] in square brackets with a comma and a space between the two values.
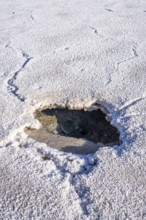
[75, 131]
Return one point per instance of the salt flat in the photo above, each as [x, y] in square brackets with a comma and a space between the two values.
[72, 54]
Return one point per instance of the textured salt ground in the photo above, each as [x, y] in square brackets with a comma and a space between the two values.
[72, 53]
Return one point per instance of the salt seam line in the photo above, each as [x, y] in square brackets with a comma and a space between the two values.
[11, 85]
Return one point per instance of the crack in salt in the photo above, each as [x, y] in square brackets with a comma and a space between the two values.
[135, 51]
[82, 191]
[130, 103]
[108, 9]
[31, 15]
[100, 35]
[11, 82]
[135, 55]
[128, 59]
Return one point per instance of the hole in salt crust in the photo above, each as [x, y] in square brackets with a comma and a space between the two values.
[74, 131]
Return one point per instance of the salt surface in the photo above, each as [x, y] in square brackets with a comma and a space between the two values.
[72, 53]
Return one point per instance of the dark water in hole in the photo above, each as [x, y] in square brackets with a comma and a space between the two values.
[75, 131]
[90, 125]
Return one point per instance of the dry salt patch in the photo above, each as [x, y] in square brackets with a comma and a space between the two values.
[74, 131]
